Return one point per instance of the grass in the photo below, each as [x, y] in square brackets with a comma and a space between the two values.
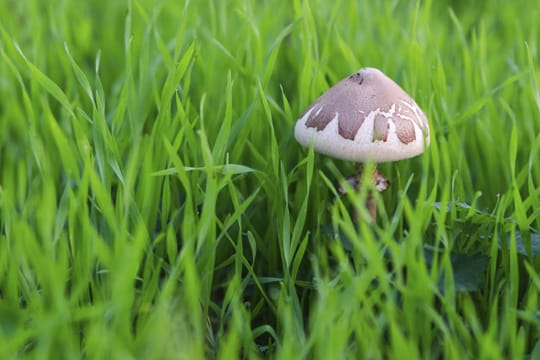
[154, 203]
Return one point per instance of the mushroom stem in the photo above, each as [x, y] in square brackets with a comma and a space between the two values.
[380, 181]
[371, 206]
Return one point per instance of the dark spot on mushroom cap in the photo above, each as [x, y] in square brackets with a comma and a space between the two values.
[357, 78]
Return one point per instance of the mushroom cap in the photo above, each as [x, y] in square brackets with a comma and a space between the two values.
[366, 116]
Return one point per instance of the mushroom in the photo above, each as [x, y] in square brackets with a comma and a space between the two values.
[365, 117]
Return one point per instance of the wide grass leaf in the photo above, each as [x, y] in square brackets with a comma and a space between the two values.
[469, 271]
[521, 245]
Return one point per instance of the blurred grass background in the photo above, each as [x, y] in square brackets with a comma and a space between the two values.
[154, 203]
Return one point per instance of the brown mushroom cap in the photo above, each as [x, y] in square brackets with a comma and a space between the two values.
[366, 116]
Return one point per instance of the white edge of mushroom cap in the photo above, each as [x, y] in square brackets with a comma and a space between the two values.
[362, 149]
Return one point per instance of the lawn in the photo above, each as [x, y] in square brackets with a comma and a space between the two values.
[154, 203]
